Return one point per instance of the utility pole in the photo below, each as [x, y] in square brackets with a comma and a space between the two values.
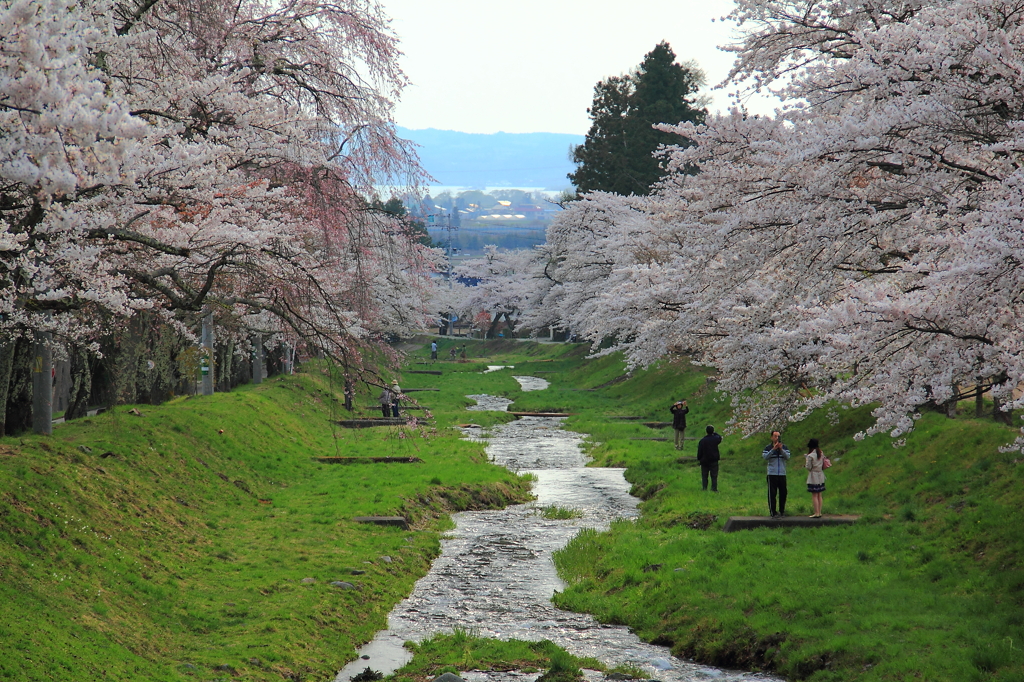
[42, 383]
[206, 355]
[450, 227]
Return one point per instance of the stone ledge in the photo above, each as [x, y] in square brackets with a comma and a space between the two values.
[367, 423]
[366, 460]
[399, 521]
[747, 522]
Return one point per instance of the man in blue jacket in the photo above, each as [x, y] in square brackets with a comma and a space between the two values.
[707, 455]
[776, 455]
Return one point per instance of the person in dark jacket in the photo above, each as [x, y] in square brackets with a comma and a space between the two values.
[396, 394]
[679, 410]
[385, 401]
[707, 455]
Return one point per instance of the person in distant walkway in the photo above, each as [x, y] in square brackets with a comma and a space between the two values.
[433, 351]
[462, 353]
[395, 392]
[776, 455]
[385, 401]
[813, 462]
[679, 410]
[707, 455]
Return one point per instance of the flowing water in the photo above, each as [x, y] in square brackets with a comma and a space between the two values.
[495, 576]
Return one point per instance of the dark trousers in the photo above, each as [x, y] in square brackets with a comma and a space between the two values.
[386, 409]
[711, 469]
[776, 487]
[394, 409]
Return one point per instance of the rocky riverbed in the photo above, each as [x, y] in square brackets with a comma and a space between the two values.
[495, 576]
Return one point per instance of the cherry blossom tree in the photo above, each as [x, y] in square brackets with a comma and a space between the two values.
[585, 244]
[863, 245]
[506, 285]
[184, 157]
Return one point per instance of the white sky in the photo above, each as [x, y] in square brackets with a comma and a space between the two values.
[484, 66]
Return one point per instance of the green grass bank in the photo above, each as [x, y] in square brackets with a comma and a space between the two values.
[199, 539]
[177, 543]
[927, 585]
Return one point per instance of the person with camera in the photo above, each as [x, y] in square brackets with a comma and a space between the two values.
[708, 456]
[679, 410]
[776, 455]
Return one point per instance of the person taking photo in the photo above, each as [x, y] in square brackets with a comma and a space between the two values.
[776, 454]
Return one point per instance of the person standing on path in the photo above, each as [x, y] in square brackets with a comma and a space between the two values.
[385, 401]
[814, 463]
[395, 392]
[707, 455]
[776, 455]
[679, 410]
[433, 351]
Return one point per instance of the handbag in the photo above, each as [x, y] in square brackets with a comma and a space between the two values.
[826, 463]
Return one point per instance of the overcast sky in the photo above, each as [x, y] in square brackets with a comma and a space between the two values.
[483, 66]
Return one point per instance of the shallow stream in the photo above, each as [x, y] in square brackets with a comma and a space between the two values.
[495, 576]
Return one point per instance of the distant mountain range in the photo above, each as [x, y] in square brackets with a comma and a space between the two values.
[521, 160]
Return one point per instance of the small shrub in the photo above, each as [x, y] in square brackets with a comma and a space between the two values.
[556, 513]
[700, 520]
[990, 658]
[563, 669]
[368, 675]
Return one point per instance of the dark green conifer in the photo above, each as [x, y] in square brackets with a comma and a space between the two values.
[617, 155]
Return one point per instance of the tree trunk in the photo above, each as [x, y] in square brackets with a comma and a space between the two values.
[1000, 415]
[6, 364]
[494, 325]
[226, 365]
[979, 402]
[19, 396]
[81, 383]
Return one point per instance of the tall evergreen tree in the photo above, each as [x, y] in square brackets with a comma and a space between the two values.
[601, 161]
[617, 155]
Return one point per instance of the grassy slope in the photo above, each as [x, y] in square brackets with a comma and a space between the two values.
[157, 568]
[182, 553]
[927, 586]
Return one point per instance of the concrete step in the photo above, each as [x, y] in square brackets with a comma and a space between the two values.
[367, 423]
[747, 522]
[399, 521]
[366, 460]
